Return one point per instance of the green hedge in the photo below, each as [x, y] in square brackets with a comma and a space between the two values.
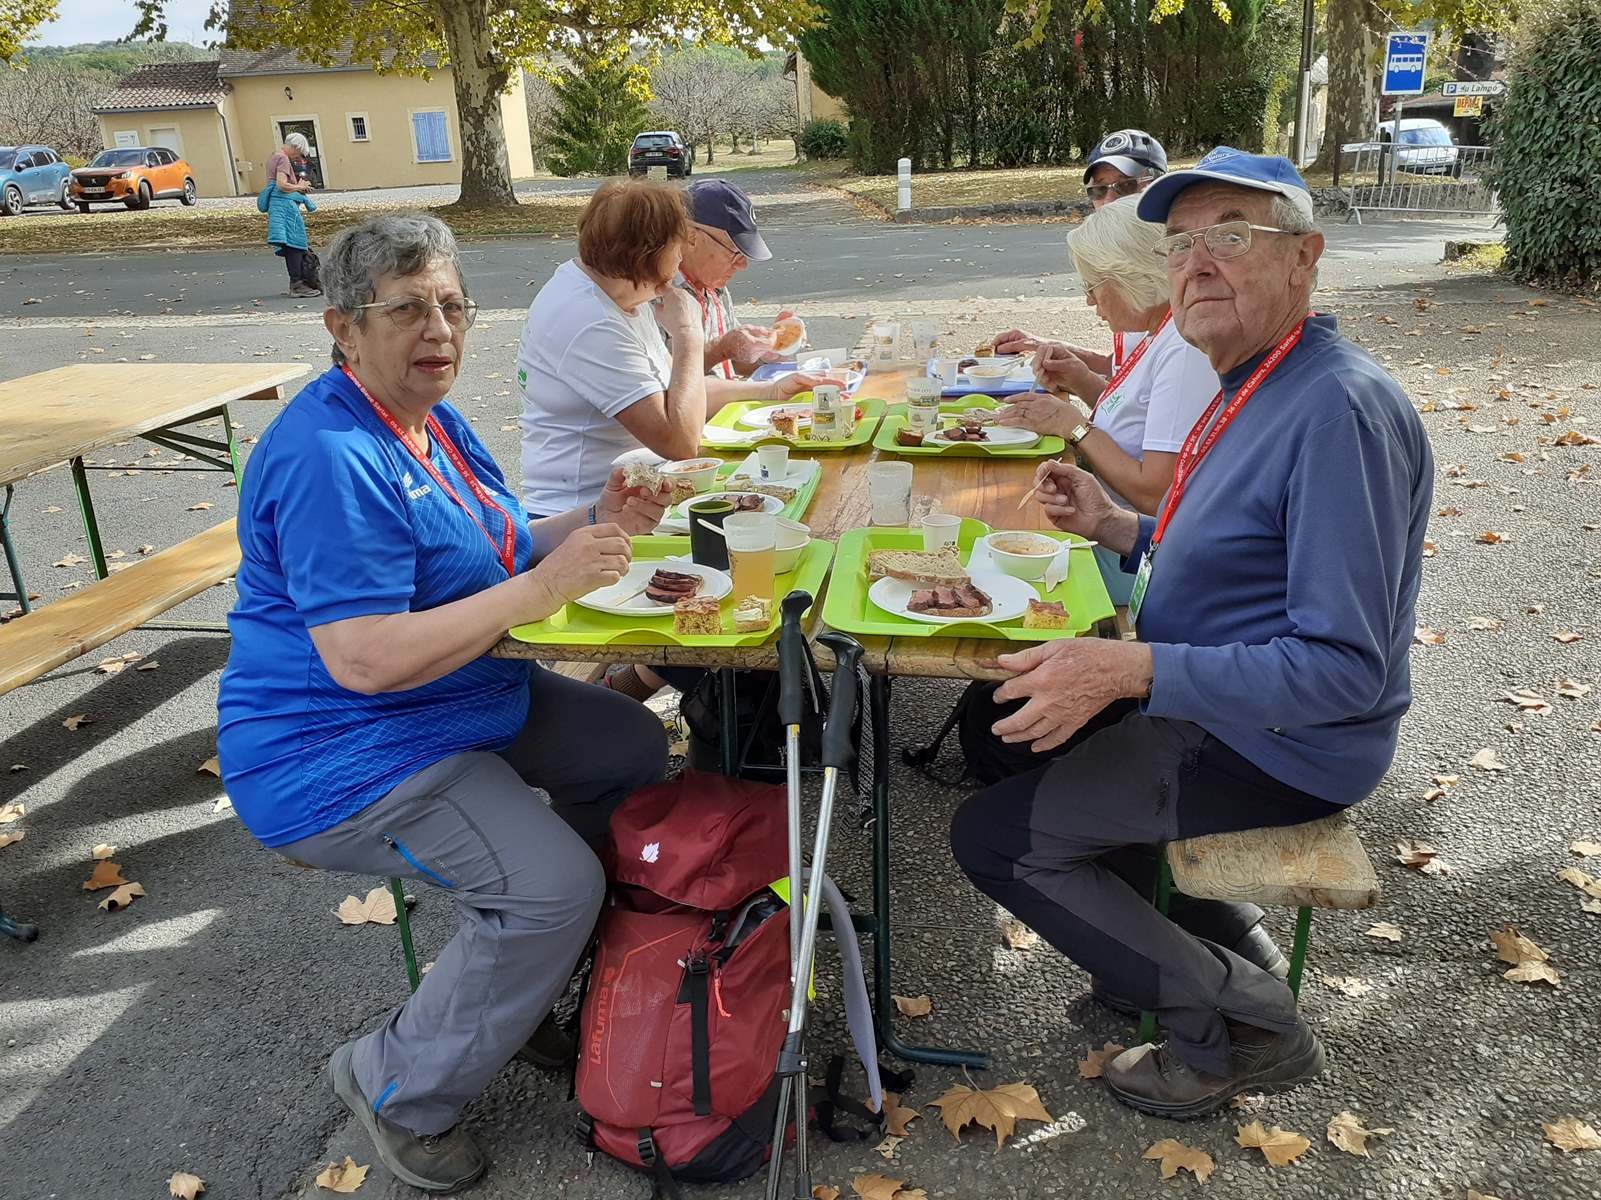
[824, 139]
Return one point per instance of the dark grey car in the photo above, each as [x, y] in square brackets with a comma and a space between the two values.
[661, 148]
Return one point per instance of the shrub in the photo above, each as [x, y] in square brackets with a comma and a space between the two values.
[823, 139]
[1551, 115]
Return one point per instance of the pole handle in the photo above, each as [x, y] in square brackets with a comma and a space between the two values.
[847, 653]
[792, 656]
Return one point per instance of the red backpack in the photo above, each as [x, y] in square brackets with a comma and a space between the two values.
[685, 1010]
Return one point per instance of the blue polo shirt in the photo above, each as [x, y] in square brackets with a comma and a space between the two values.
[1280, 604]
[338, 520]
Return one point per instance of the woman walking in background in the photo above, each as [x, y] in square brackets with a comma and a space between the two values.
[282, 200]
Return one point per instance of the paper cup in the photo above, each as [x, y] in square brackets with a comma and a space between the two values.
[940, 530]
[772, 461]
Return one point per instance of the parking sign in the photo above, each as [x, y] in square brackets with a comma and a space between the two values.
[1404, 56]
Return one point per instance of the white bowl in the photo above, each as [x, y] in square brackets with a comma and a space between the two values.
[701, 472]
[1030, 557]
[788, 543]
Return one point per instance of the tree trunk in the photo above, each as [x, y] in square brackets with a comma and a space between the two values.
[1353, 78]
[479, 81]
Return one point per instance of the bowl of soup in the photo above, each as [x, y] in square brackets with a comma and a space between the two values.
[699, 472]
[1021, 554]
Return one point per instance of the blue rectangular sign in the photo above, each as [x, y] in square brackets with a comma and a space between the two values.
[1404, 57]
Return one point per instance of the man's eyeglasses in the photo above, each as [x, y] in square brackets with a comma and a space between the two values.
[1230, 239]
[412, 312]
[1123, 187]
[720, 238]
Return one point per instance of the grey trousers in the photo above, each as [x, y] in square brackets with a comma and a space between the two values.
[526, 884]
[1058, 845]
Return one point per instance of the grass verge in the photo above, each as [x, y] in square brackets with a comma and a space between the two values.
[937, 189]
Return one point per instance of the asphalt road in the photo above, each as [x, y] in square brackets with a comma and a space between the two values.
[192, 1031]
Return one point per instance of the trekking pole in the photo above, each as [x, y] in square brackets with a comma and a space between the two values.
[794, 669]
[836, 756]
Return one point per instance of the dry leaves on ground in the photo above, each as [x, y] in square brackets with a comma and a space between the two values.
[1349, 985]
[1093, 1064]
[102, 850]
[1583, 880]
[997, 1108]
[1384, 930]
[1530, 964]
[1572, 689]
[210, 767]
[185, 1186]
[1346, 1132]
[897, 1117]
[8, 839]
[822, 1191]
[1279, 1146]
[122, 897]
[1424, 636]
[1473, 1195]
[1492, 538]
[201, 507]
[1566, 636]
[1526, 700]
[886, 1148]
[77, 722]
[106, 874]
[376, 908]
[1421, 857]
[882, 1187]
[1017, 935]
[342, 1177]
[1585, 849]
[115, 666]
[914, 1006]
[71, 560]
[1486, 760]
[1484, 624]
[1176, 1157]
[1571, 1135]
[14, 811]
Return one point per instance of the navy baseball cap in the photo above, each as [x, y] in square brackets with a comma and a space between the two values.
[1131, 151]
[1225, 164]
[721, 205]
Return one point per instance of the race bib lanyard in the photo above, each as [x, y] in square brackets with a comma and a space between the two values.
[710, 302]
[1197, 446]
[1117, 347]
[1127, 369]
[506, 548]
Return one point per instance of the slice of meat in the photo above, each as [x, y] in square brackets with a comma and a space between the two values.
[921, 601]
[971, 597]
[748, 504]
[669, 579]
[945, 597]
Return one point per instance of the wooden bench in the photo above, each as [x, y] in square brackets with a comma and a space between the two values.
[70, 627]
[1320, 864]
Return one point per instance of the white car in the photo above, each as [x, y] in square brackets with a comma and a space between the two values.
[1425, 146]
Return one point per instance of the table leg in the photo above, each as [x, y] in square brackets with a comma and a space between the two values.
[728, 711]
[883, 984]
[233, 449]
[91, 527]
[12, 565]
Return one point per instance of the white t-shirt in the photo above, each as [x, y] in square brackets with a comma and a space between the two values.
[581, 361]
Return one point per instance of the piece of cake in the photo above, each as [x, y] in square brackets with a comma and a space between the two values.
[697, 615]
[753, 614]
[1045, 614]
[908, 437]
[683, 489]
[784, 422]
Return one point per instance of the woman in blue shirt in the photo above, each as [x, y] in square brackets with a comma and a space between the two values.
[363, 726]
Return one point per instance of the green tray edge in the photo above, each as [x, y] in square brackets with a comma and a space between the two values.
[884, 440]
[728, 416]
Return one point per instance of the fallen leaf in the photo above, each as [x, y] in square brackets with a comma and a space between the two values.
[1429, 549]
[77, 722]
[1583, 880]
[15, 767]
[881, 1187]
[1279, 1146]
[913, 1006]
[1473, 1195]
[1349, 985]
[1491, 538]
[342, 1177]
[1574, 438]
[821, 1191]
[1484, 624]
[1093, 1064]
[1535, 610]
[102, 850]
[147, 666]
[887, 1147]
[1511, 456]
[210, 767]
[1572, 689]
[997, 1108]
[147, 548]
[1571, 1135]
[1486, 760]
[1526, 701]
[185, 1186]
[1566, 636]
[70, 560]
[1421, 857]
[1585, 849]
[121, 898]
[1529, 962]
[1017, 935]
[14, 811]
[10, 839]
[378, 908]
[1385, 930]
[1176, 1157]
[1446, 781]
[105, 874]
[1450, 510]
[896, 1115]
[201, 507]
[1425, 636]
[1347, 1133]
[221, 804]
[110, 666]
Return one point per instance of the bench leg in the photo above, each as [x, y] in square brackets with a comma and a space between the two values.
[1303, 938]
[1160, 898]
[403, 920]
[91, 527]
[12, 565]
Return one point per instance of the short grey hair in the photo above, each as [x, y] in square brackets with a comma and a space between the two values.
[1291, 217]
[380, 248]
[1113, 243]
[297, 141]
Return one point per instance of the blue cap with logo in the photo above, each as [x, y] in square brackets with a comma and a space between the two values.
[1262, 172]
[721, 205]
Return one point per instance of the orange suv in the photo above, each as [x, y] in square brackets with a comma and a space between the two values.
[133, 176]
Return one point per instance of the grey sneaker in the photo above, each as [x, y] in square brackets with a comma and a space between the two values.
[434, 1162]
[1153, 1081]
[1255, 946]
[299, 289]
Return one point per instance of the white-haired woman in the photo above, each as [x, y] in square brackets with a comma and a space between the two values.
[281, 199]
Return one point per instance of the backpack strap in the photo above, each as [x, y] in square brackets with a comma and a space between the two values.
[858, 1008]
[700, 1052]
[665, 1184]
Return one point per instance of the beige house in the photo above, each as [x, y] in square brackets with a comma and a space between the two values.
[811, 101]
[366, 130]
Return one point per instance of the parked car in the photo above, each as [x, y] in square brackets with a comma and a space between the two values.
[1423, 147]
[133, 176]
[31, 175]
[661, 148]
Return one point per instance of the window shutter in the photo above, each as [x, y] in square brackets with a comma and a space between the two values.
[433, 141]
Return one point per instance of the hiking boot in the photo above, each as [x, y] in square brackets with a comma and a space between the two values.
[300, 289]
[1151, 1079]
[548, 1047]
[1255, 946]
[434, 1162]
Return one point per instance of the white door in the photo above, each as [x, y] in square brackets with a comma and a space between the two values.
[167, 136]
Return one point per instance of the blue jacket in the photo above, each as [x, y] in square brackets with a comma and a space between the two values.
[285, 225]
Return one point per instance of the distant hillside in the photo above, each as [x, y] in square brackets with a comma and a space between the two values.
[116, 57]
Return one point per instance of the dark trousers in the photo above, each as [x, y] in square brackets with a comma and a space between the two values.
[1069, 848]
[297, 263]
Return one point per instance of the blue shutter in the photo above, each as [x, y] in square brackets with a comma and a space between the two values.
[433, 142]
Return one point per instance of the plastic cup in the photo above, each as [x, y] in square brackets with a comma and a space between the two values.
[752, 540]
[940, 530]
[886, 341]
[772, 461]
[889, 492]
[948, 372]
[923, 337]
[922, 404]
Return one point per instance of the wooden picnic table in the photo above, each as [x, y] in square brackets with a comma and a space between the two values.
[61, 416]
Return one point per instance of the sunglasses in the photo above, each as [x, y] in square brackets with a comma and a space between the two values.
[1123, 187]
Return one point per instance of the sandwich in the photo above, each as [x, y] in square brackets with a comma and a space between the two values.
[697, 615]
[753, 614]
[942, 568]
[669, 587]
[1045, 614]
[644, 475]
[963, 600]
[908, 437]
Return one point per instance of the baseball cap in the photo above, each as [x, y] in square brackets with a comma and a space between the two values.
[1131, 151]
[721, 205]
[1225, 164]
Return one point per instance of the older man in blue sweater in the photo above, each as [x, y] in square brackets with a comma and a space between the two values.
[1274, 598]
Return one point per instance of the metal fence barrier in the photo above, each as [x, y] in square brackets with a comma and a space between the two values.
[1385, 177]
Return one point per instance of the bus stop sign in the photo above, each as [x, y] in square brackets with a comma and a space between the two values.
[1404, 56]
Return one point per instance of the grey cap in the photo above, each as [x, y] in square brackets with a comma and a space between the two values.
[720, 205]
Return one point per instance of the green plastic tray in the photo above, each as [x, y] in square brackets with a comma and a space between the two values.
[955, 405]
[847, 608]
[795, 510]
[578, 626]
[728, 417]
[885, 441]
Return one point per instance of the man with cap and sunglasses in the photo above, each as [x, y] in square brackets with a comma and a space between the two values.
[1274, 602]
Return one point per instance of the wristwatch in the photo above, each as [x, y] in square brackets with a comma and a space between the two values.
[1079, 433]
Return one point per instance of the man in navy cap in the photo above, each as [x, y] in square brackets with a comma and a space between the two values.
[1274, 597]
[724, 241]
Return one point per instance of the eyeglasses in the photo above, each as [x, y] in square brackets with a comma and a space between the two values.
[1089, 292]
[1123, 187]
[412, 312]
[718, 237]
[1230, 239]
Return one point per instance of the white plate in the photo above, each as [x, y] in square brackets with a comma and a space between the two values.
[770, 504]
[1008, 598]
[762, 418]
[616, 599]
[1005, 436]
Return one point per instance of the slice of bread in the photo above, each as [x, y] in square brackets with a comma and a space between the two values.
[1045, 614]
[697, 615]
[753, 614]
[942, 568]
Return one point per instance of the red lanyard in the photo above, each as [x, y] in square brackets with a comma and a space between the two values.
[1191, 454]
[1117, 348]
[724, 369]
[506, 548]
[1129, 364]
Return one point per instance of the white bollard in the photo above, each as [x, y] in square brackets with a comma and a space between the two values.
[903, 185]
